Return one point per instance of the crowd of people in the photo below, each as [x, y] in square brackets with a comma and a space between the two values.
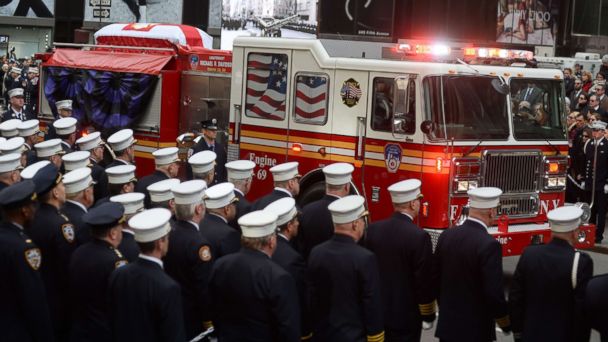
[20, 74]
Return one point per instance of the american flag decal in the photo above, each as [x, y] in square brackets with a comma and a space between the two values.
[350, 92]
[266, 86]
[311, 99]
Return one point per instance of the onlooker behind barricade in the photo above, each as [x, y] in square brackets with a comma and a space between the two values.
[596, 110]
[604, 67]
[568, 81]
[600, 92]
[576, 92]
[582, 104]
[587, 79]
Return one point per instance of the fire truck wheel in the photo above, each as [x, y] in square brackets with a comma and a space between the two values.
[311, 193]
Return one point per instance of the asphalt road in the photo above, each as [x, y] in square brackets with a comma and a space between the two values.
[600, 266]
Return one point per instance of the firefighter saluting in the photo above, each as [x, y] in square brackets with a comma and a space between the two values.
[596, 172]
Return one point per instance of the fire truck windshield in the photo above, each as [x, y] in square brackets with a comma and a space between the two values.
[536, 109]
[466, 107]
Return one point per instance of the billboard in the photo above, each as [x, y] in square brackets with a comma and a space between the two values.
[28, 8]
[366, 18]
[131, 11]
[270, 18]
[530, 22]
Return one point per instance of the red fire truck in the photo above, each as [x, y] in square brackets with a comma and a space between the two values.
[158, 79]
[455, 123]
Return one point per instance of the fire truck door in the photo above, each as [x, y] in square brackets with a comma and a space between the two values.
[390, 128]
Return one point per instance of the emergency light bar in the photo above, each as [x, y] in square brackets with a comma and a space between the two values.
[425, 49]
[498, 53]
[443, 50]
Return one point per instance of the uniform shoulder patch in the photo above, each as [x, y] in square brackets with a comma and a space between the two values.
[33, 258]
[120, 263]
[204, 253]
[67, 230]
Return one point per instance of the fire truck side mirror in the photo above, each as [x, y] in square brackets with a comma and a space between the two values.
[428, 126]
[501, 86]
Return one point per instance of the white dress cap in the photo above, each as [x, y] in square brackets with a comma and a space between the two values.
[347, 209]
[285, 171]
[151, 225]
[64, 104]
[284, 208]
[122, 139]
[405, 191]
[121, 174]
[165, 156]
[258, 223]
[13, 145]
[565, 219]
[9, 128]
[76, 160]
[65, 126]
[202, 162]
[15, 91]
[28, 127]
[484, 198]
[133, 202]
[10, 162]
[240, 169]
[32, 69]
[17, 71]
[48, 148]
[77, 180]
[600, 125]
[30, 171]
[161, 191]
[189, 192]
[338, 173]
[220, 195]
[89, 141]
[2, 140]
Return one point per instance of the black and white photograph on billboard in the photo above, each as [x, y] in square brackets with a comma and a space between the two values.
[268, 18]
[369, 18]
[531, 22]
[133, 11]
[27, 8]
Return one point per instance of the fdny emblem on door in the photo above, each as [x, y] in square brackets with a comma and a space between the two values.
[392, 157]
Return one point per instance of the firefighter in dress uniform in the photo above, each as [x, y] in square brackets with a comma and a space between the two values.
[24, 310]
[220, 203]
[79, 198]
[15, 145]
[64, 109]
[287, 257]
[53, 232]
[93, 143]
[50, 150]
[552, 313]
[405, 262]
[17, 109]
[240, 173]
[9, 128]
[133, 203]
[10, 169]
[286, 184]
[469, 275]
[30, 87]
[595, 304]
[596, 173]
[190, 256]
[121, 144]
[76, 160]
[65, 128]
[208, 142]
[121, 180]
[317, 226]
[90, 268]
[29, 131]
[253, 298]
[202, 165]
[162, 197]
[145, 303]
[167, 166]
[346, 304]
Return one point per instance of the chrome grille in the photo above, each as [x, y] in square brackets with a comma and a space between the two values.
[519, 206]
[233, 152]
[512, 171]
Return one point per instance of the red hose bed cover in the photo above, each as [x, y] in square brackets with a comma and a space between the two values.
[109, 61]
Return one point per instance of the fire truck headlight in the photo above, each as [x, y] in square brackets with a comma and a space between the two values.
[582, 236]
[463, 186]
[472, 184]
[561, 181]
[552, 182]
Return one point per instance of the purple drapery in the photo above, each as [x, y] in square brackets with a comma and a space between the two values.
[103, 99]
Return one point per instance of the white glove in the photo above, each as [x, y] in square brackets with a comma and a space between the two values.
[583, 185]
[606, 189]
[428, 325]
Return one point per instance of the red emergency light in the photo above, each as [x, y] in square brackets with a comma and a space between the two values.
[498, 53]
[425, 49]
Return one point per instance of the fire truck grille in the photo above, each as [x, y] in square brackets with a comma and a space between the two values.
[514, 172]
[519, 206]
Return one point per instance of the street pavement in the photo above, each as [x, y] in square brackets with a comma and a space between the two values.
[600, 266]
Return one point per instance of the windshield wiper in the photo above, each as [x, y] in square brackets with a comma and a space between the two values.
[553, 146]
[472, 148]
